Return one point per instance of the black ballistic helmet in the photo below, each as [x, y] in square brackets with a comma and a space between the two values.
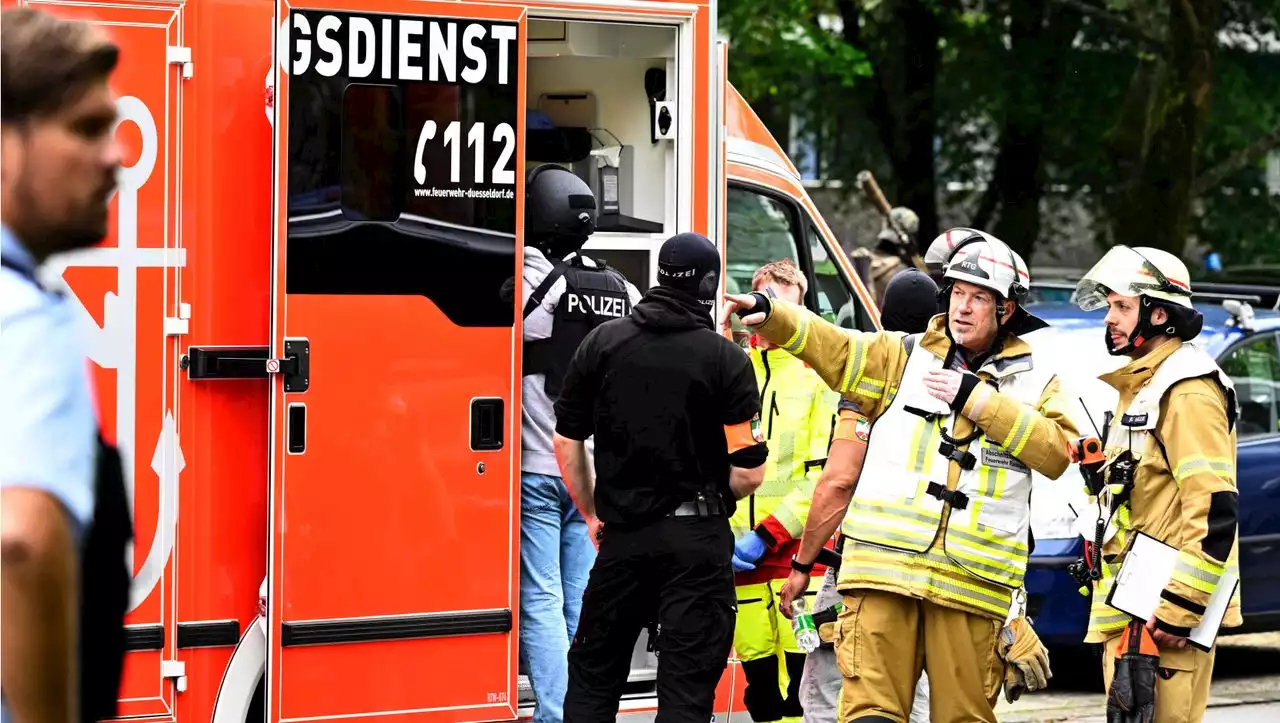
[559, 210]
[690, 263]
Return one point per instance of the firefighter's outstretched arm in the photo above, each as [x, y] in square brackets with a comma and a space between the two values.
[1201, 453]
[853, 363]
[1040, 438]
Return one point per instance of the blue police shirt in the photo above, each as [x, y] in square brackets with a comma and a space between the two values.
[48, 430]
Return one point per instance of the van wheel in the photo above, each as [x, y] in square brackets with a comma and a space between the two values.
[258, 705]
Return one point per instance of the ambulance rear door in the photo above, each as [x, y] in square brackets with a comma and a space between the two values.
[126, 293]
[395, 407]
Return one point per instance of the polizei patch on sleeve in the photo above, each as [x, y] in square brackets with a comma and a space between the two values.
[1001, 459]
[401, 48]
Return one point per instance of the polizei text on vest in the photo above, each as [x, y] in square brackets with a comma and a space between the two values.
[402, 48]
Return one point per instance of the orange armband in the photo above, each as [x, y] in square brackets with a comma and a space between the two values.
[852, 427]
[743, 434]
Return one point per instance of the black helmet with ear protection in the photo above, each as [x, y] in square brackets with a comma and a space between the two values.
[559, 210]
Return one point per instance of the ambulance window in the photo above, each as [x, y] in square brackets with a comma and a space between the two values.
[372, 146]
[836, 301]
[760, 229]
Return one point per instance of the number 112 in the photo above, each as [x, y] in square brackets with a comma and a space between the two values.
[502, 133]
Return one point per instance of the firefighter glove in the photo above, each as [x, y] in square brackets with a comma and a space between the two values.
[1026, 659]
[749, 548]
[1132, 697]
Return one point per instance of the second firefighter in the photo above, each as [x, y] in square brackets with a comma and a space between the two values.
[797, 416]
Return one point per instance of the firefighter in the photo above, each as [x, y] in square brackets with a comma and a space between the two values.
[798, 417]
[966, 412]
[886, 255]
[66, 520]
[1169, 472]
[566, 295]
[910, 300]
[675, 413]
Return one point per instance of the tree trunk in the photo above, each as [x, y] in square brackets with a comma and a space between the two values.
[1155, 208]
[918, 125]
[1040, 36]
[905, 69]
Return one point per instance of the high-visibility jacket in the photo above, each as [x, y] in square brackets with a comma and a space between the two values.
[910, 533]
[797, 417]
[1176, 416]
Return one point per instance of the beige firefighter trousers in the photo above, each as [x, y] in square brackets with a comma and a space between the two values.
[820, 685]
[880, 665]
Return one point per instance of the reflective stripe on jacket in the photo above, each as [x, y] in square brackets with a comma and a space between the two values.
[904, 541]
[1176, 416]
[797, 416]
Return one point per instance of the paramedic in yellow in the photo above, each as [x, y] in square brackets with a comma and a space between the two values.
[1170, 451]
[937, 535]
[797, 417]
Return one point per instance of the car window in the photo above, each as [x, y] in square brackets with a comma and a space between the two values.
[836, 302]
[1079, 355]
[1254, 367]
[760, 229]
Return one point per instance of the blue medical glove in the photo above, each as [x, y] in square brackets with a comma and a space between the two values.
[747, 550]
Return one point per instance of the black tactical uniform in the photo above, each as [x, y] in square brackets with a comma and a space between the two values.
[658, 390]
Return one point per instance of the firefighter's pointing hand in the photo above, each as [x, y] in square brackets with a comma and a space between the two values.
[751, 308]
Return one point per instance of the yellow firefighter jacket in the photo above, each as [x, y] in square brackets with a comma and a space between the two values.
[970, 554]
[1176, 416]
[797, 417]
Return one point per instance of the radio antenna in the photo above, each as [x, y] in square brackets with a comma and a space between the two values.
[1090, 417]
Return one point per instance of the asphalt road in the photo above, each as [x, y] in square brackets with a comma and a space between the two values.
[1246, 686]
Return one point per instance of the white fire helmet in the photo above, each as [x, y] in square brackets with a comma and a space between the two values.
[1139, 271]
[984, 260]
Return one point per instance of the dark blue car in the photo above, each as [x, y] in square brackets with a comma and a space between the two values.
[1246, 344]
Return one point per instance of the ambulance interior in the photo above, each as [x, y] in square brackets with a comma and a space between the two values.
[597, 94]
[595, 90]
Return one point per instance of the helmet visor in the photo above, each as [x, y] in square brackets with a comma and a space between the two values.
[1126, 272]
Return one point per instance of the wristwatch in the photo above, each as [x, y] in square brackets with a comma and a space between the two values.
[798, 566]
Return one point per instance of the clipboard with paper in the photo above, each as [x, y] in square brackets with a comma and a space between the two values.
[1147, 569]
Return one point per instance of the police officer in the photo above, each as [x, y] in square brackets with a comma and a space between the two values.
[1169, 472]
[65, 520]
[674, 410]
[966, 410]
[566, 295]
[888, 253]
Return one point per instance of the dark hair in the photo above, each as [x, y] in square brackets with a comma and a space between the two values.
[47, 62]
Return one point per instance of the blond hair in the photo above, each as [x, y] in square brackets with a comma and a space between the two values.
[782, 271]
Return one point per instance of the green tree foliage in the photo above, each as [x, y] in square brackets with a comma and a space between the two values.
[1155, 116]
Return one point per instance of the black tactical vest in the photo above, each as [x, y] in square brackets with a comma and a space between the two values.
[104, 579]
[592, 296]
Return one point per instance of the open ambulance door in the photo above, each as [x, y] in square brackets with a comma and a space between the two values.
[395, 404]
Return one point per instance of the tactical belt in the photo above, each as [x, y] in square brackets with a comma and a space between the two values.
[702, 507]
